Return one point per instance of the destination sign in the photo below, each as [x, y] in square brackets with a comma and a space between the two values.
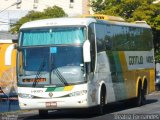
[34, 80]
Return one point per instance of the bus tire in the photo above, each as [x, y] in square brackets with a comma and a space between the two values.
[143, 101]
[43, 113]
[138, 100]
[102, 102]
[144, 92]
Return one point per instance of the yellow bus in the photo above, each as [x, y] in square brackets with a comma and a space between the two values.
[8, 80]
[68, 63]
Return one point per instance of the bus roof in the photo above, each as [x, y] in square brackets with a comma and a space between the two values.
[143, 25]
[76, 21]
[58, 22]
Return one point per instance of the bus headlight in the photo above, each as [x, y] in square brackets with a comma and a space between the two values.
[78, 93]
[28, 96]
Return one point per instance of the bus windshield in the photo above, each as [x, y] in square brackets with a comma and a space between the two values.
[48, 36]
[51, 62]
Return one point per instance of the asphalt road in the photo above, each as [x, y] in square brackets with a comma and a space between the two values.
[116, 111]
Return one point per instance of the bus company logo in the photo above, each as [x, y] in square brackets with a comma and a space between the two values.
[50, 94]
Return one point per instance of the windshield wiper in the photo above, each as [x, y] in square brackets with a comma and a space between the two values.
[38, 75]
[59, 75]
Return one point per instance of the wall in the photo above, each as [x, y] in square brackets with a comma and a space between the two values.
[15, 12]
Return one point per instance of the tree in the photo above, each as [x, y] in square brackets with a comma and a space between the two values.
[131, 10]
[99, 5]
[134, 10]
[50, 12]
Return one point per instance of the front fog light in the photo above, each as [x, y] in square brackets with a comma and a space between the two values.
[27, 96]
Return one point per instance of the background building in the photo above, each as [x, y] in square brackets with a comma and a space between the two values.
[10, 12]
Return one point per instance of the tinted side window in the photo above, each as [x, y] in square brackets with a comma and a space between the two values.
[130, 38]
[120, 38]
[143, 39]
[147, 39]
[108, 37]
[91, 37]
[100, 36]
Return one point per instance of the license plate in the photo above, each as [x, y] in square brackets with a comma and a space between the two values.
[51, 104]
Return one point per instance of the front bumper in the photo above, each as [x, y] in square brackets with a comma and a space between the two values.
[59, 103]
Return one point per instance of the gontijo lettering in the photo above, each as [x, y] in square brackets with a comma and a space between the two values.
[133, 60]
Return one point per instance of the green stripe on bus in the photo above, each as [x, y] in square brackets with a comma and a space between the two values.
[120, 90]
[59, 89]
[51, 89]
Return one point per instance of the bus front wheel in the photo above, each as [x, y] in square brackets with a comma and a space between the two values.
[102, 103]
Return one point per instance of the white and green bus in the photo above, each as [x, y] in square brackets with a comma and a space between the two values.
[65, 63]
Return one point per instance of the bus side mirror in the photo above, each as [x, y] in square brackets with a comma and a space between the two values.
[86, 51]
[17, 47]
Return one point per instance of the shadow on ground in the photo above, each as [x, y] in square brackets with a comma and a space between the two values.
[85, 113]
